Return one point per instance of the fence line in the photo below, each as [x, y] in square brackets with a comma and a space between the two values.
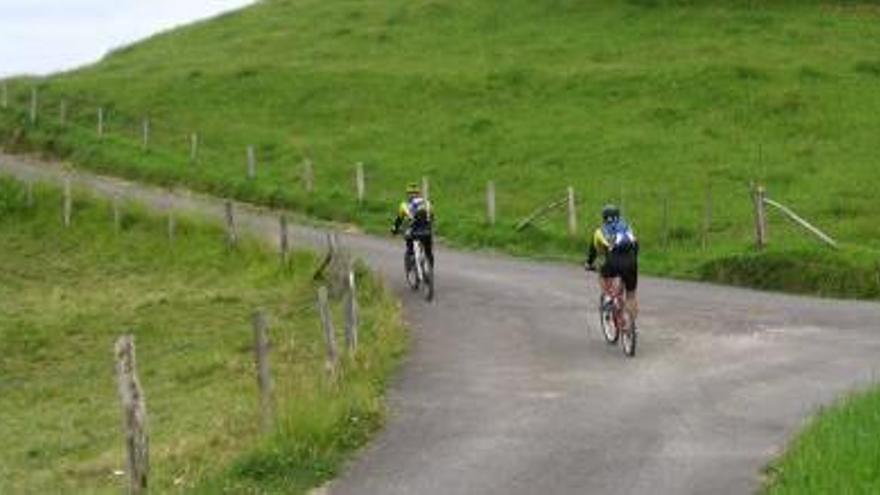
[686, 226]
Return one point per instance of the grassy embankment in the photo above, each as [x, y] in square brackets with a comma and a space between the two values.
[640, 102]
[838, 452]
[66, 294]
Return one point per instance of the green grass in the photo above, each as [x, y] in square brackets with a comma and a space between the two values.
[639, 102]
[66, 294]
[837, 452]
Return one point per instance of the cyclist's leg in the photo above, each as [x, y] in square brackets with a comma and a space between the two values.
[428, 244]
[606, 277]
[630, 276]
[410, 250]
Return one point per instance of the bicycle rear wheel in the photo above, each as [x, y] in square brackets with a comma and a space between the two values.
[606, 322]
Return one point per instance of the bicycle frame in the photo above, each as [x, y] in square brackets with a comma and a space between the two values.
[613, 290]
[617, 316]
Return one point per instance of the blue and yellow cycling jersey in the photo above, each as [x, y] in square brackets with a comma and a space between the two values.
[612, 237]
[416, 213]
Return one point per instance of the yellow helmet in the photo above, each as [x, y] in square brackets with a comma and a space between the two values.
[413, 188]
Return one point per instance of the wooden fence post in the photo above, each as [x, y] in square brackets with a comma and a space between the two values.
[62, 113]
[146, 126]
[134, 416]
[117, 214]
[666, 219]
[308, 176]
[707, 215]
[231, 236]
[490, 202]
[426, 188]
[758, 194]
[34, 105]
[193, 147]
[68, 202]
[352, 320]
[361, 181]
[572, 213]
[264, 377]
[251, 162]
[172, 225]
[329, 331]
[283, 241]
[29, 195]
[100, 122]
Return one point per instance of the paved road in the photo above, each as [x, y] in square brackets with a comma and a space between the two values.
[509, 388]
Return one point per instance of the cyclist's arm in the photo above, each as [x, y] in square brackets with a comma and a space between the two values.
[591, 254]
[402, 214]
[598, 244]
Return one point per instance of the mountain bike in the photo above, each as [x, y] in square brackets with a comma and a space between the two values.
[419, 273]
[616, 319]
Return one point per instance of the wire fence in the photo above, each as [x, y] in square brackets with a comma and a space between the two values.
[696, 213]
[317, 309]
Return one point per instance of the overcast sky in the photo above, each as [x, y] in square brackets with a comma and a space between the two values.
[44, 36]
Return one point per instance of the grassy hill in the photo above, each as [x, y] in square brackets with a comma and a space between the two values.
[65, 296]
[650, 103]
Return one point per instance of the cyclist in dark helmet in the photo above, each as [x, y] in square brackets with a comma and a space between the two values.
[617, 242]
[417, 216]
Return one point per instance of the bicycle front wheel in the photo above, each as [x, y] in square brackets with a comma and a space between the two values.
[427, 281]
[606, 322]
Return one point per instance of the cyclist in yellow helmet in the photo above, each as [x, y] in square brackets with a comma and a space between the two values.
[617, 242]
[417, 217]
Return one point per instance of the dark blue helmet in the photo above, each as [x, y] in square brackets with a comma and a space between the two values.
[610, 213]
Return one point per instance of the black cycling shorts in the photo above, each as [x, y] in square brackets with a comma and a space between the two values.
[623, 265]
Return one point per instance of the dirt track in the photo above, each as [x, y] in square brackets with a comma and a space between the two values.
[509, 388]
